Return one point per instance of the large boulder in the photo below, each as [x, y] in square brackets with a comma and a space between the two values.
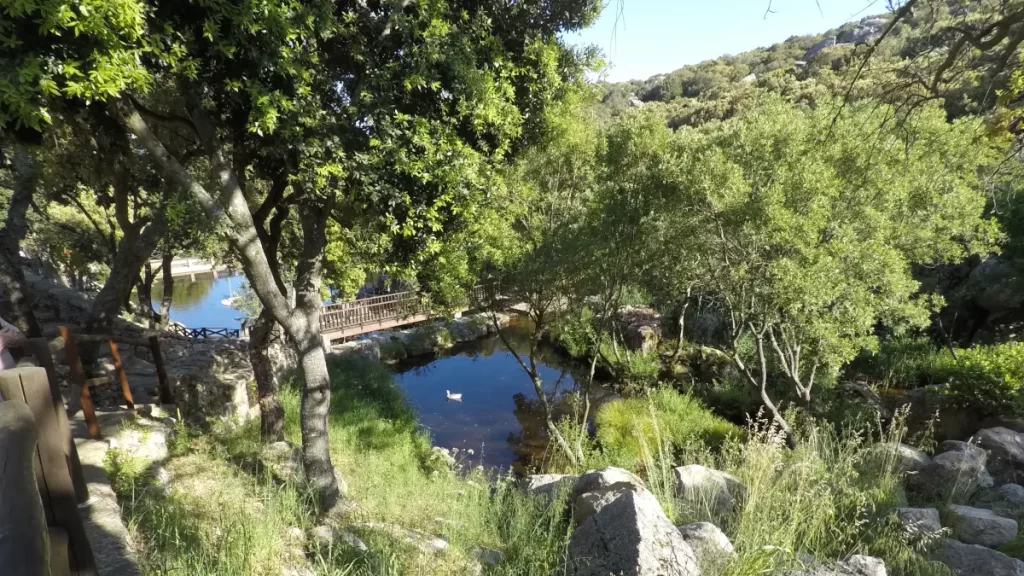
[708, 489]
[906, 459]
[641, 328]
[212, 383]
[919, 522]
[853, 566]
[1006, 501]
[974, 560]
[981, 526]
[710, 544]
[597, 488]
[957, 472]
[1005, 449]
[547, 485]
[631, 536]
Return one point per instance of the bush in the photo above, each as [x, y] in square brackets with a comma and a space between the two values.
[628, 426]
[989, 379]
[903, 362]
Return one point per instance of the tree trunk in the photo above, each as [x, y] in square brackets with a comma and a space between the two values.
[132, 252]
[313, 421]
[164, 315]
[271, 411]
[12, 277]
[144, 293]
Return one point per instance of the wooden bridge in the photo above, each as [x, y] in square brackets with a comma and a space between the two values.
[348, 319]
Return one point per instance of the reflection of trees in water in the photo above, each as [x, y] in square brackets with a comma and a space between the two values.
[531, 444]
[187, 295]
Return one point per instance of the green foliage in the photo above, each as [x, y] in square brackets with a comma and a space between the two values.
[127, 472]
[989, 379]
[661, 418]
[903, 362]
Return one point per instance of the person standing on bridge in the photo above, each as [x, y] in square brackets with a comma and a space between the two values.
[10, 337]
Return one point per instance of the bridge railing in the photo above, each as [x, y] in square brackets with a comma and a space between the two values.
[197, 333]
[396, 306]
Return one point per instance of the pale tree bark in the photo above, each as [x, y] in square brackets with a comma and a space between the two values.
[230, 212]
[12, 277]
[760, 379]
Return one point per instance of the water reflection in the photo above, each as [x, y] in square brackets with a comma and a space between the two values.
[499, 418]
[198, 304]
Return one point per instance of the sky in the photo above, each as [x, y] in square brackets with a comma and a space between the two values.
[641, 38]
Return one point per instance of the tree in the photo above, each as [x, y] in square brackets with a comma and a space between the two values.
[808, 242]
[381, 110]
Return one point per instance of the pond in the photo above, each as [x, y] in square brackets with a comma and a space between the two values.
[197, 304]
[499, 417]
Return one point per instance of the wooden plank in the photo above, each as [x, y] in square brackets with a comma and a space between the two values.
[166, 397]
[78, 379]
[60, 552]
[23, 548]
[122, 377]
[40, 348]
[11, 388]
[54, 467]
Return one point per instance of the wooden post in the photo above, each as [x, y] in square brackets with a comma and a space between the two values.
[121, 376]
[52, 476]
[40, 348]
[166, 396]
[78, 378]
[23, 547]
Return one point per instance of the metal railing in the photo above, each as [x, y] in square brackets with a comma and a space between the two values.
[377, 309]
[199, 333]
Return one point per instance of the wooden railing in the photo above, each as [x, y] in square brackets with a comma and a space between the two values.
[41, 481]
[199, 333]
[378, 311]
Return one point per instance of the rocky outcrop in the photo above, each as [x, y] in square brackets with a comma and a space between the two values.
[212, 383]
[854, 566]
[326, 536]
[827, 42]
[710, 544]
[980, 526]
[1005, 451]
[424, 542]
[707, 489]
[974, 560]
[1006, 501]
[630, 536]
[598, 488]
[920, 522]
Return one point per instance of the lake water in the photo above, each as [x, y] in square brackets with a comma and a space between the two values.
[499, 417]
[198, 304]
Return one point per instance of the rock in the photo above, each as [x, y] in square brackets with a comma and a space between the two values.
[866, 396]
[212, 383]
[955, 472]
[631, 535]
[424, 542]
[641, 328]
[709, 543]
[295, 534]
[325, 536]
[706, 488]
[906, 458]
[367, 348]
[1005, 449]
[811, 52]
[854, 566]
[920, 522]
[548, 484]
[1006, 501]
[283, 461]
[597, 488]
[973, 560]
[488, 556]
[981, 526]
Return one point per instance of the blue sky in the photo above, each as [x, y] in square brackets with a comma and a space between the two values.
[641, 38]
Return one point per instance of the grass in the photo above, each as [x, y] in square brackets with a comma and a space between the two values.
[221, 518]
[626, 425]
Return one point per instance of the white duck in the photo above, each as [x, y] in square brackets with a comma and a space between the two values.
[456, 397]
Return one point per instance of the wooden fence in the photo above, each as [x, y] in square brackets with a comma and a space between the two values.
[198, 333]
[379, 312]
[41, 481]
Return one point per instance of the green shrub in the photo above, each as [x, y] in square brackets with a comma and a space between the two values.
[127, 472]
[664, 416]
[903, 362]
[989, 379]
